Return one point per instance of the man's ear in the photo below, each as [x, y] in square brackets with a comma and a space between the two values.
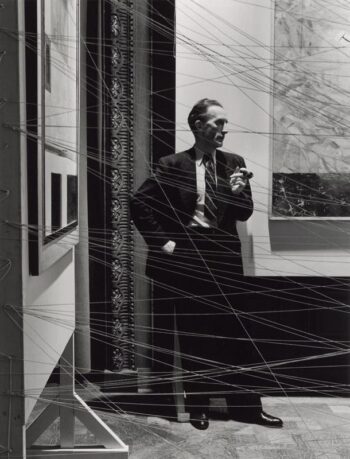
[197, 124]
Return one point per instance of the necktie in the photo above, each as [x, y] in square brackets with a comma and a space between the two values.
[210, 207]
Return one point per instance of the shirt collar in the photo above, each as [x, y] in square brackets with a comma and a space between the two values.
[200, 155]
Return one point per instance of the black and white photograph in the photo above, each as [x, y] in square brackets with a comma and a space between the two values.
[175, 229]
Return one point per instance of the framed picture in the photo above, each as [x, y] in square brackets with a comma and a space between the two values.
[311, 153]
[52, 80]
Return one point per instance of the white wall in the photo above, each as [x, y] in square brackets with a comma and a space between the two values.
[49, 298]
[224, 51]
[48, 323]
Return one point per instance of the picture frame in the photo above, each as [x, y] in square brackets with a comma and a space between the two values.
[52, 93]
[310, 151]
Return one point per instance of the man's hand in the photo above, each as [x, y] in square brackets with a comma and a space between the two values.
[169, 247]
[238, 180]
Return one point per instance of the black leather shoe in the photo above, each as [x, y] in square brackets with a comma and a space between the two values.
[267, 420]
[199, 420]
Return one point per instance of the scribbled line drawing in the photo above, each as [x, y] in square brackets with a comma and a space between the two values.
[311, 110]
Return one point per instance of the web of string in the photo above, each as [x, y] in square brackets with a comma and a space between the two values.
[253, 76]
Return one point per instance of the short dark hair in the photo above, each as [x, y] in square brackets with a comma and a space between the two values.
[199, 110]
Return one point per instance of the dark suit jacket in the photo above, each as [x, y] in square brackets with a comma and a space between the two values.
[165, 203]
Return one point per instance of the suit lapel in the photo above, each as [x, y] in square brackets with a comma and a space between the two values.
[188, 186]
[188, 182]
[223, 180]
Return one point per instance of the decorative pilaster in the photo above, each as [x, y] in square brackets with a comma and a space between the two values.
[121, 146]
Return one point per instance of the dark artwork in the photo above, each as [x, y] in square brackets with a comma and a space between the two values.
[47, 63]
[72, 198]
[311, 195]
[56, 202]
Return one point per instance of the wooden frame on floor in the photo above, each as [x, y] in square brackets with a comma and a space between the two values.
[68, 406]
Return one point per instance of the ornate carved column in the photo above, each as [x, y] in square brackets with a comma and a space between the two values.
[121, 147]
[140, 64]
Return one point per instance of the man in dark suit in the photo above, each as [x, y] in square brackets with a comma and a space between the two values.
[187, 214]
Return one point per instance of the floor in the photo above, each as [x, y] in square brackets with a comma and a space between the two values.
[313, 428]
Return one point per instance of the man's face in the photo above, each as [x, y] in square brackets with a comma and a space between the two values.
[211, 129]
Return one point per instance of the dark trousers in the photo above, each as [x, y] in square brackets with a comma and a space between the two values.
[201, 283]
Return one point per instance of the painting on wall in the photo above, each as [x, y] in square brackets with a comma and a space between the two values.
[53, 120]
[311, 110]
[60, 103]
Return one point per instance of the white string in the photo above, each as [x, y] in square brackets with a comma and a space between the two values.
[101, 246]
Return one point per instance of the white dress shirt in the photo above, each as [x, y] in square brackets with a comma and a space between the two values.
[198, 218]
